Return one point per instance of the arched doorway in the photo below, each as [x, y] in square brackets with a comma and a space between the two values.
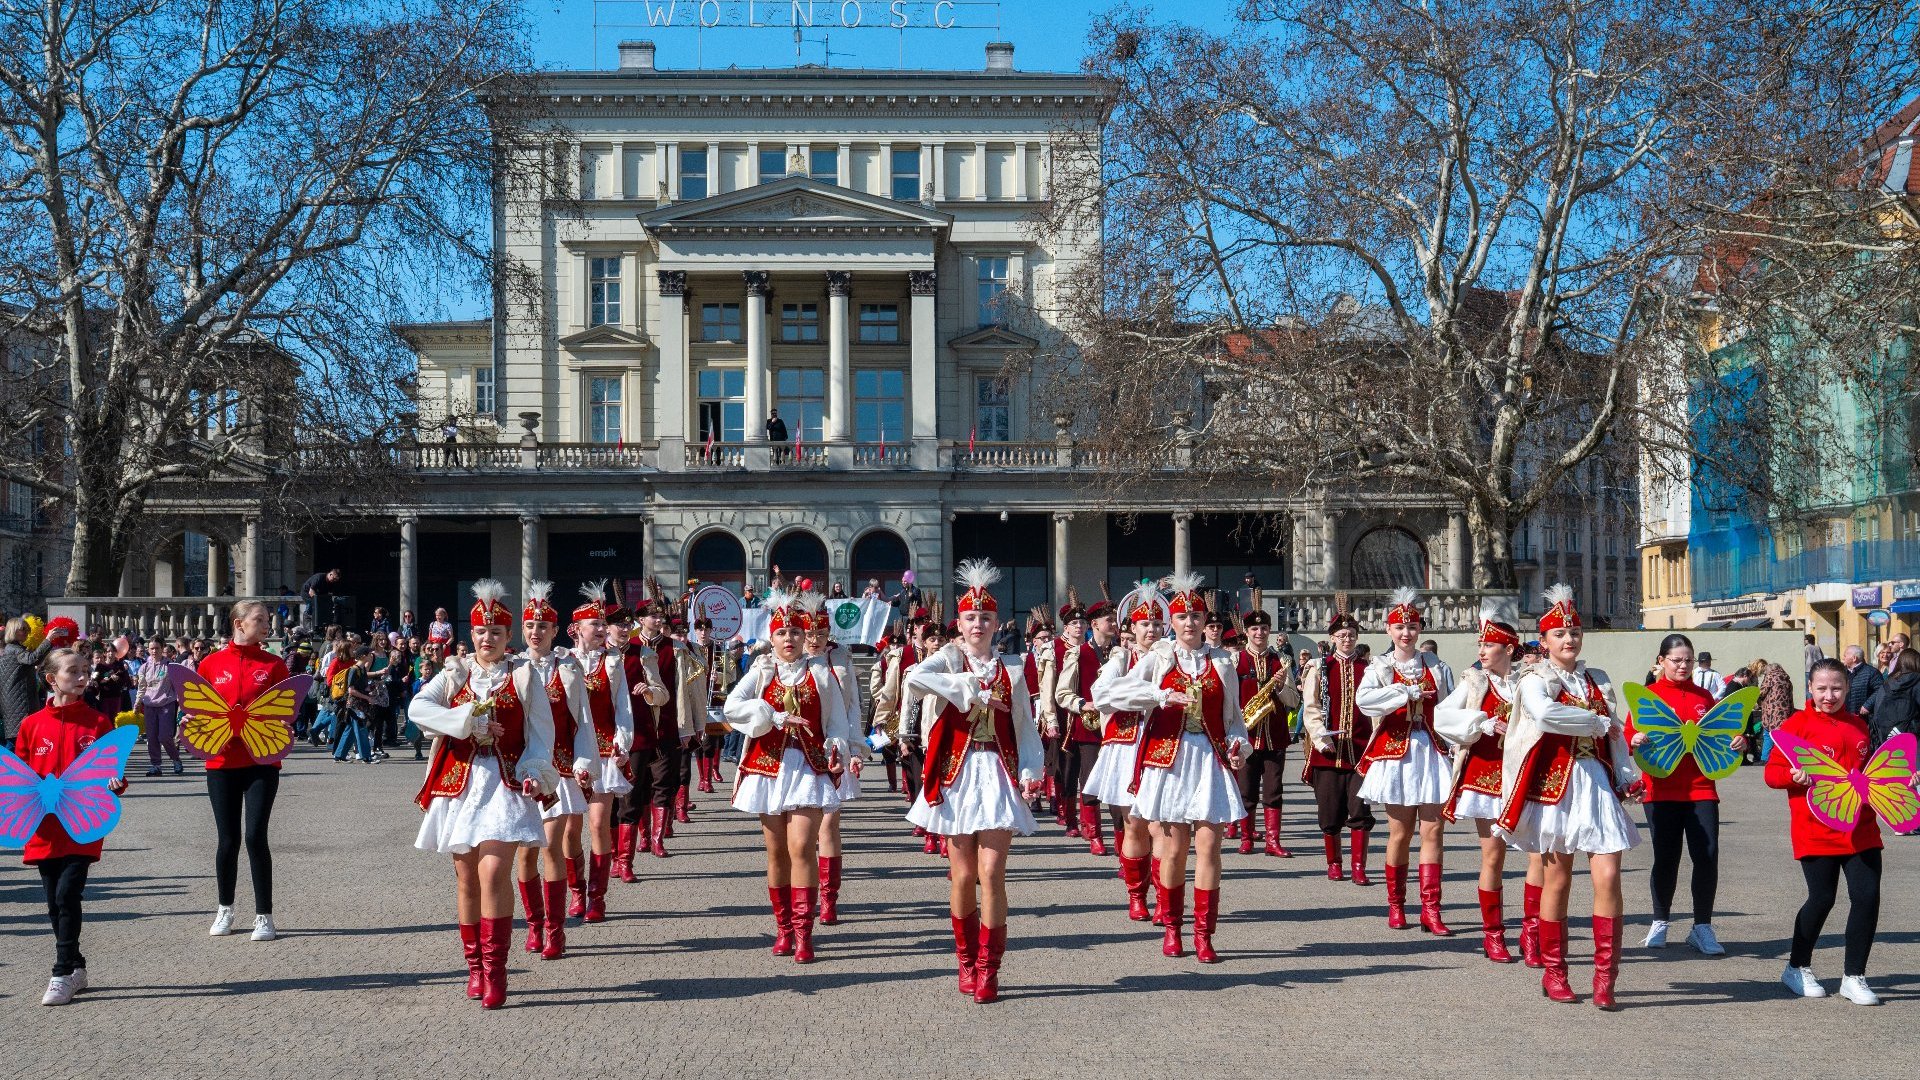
[879, 554]
[716, 558]
[800, 554]
[1387, 558]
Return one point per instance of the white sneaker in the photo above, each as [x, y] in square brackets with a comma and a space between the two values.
[78, 979]
[263, 928]
[59, 991]
[1702, 939]
[222, 922]
[1656, 935]
[1802, 982]
[1855, 989]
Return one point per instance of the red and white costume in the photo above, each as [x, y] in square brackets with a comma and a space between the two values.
[797, 725]
[472, 791]
[573, 734]
[1467, 721]
[1566, 761]
[840, 662]
[1402, 765]
[609, 712]
[1111, 778]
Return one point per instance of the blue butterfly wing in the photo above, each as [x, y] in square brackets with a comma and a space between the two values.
[86, 809]
[1666, 736]
[21, 804]
[1713, 747]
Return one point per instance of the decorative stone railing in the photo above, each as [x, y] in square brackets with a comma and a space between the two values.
[167, 616]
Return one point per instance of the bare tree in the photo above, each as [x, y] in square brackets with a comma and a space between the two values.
[1404, 245]
[213, 212]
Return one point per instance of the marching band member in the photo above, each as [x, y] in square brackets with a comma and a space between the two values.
[1075, 669]
[673, 716]
[1194, 741]
[490, 769]
[544, 895]
[1473, 719]
[1336, 731]
[712, 694]
[1262, 668]
[1111, 778]
[789, 707]
[1042, 669]
[1562, 780]
[610, 711]
[983, 762]
[1402, 768]
[839, 660]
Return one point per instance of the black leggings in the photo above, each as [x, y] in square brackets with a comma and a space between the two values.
[65, 879]
[233, 790]
[1697, 825]
[1863, 897]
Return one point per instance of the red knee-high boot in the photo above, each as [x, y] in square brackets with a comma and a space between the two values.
[1245, 825]
[1357, 848]
[805, 902]
[555, 946]
[576, 890]
[1430, 920]
[1530, 925]
[496, 937]
[1090, 828]
[1134, 873]
[1493, 927]
[1206, 908]
[829, 890]
[1174, 904]
[533, 900]
[1553, 954]
[623, 853]
[966, 947]
[1606, 961]
[470, 949]
[599, 869]
[781, 897]
[1159, 894]
[1274, 847]
[986, 968]
[1396, 896]
[661, 825]
[681, 804]
[1334, 872]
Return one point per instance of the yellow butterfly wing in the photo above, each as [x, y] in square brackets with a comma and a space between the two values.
[266, 726]
[207, 720]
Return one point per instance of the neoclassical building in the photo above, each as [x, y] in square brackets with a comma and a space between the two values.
[839, 247]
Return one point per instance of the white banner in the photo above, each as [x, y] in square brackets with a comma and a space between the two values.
[855, 622]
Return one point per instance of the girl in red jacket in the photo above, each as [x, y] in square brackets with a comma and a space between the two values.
[1824, 853]
[241, 789]
[48, 742]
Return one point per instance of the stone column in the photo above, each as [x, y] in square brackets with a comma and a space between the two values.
[839, 358]
[939, 171]
[410, 564]
[216, 567]
[755, 327]
[670, 397]
[925, 405]
[1302, 574]
[1061, 520]
[529, 551]
[1183, 542]
[1329, 549]
[250, 584]
[1457, 575]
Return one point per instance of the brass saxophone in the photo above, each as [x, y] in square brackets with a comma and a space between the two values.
[1260, 708]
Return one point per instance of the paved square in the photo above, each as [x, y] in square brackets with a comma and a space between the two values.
[367, 980]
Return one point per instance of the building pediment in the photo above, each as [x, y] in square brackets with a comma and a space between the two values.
[605, 338]
[994, 337]
[796, 204]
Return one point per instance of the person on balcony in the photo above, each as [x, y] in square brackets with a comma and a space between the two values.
[776, 427]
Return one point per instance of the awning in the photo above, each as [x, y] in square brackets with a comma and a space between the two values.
[1750, 624]
[1905, 607]
[1712, 624]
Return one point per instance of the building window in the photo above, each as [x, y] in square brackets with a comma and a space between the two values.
[773, 164]
[906, 175]
[992, 281]
[991, 414]
[603, 409]
[802, 401]
[19, 505]
[879, 323]
[720, 322]
[723, 405]
[693, 173]
[880, 407]
[1552, 530]
[824, 165]
[799, 322]
[603, 290]
[483, 391]
[1573, 534]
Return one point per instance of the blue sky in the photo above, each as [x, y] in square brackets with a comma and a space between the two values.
[1048, 35]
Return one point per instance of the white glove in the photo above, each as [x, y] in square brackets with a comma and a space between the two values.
[781, 719]
[1413, 691]
[623, 739]
[1489, 726]
[582, 765]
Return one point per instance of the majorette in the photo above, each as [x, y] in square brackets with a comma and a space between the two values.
[544, 894]
[1111, 778]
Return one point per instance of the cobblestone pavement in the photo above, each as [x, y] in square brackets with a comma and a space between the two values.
[367, 980]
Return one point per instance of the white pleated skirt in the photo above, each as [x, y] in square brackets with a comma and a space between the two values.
[609, 780]
[1419, 777]
[981, 798]
[1112, 773]
[1588, 818]
[796, 787]
[569, 799]
[1196, 787]
[487, 810]
[1477, 806]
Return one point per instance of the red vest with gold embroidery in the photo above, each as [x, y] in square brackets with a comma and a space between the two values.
[1256, 672]
[665, 727]
[599, 705]
[452, 763]
[1393, 732]
[955, 733]
[563, 725]
[1088, 670]
[1167, 724]
[1123, 727]
[801, 701]
[1481, 772]
[1350, 728]
[1549, 765]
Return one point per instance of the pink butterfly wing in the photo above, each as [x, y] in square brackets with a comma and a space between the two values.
[87, 810]
[1889, 783]
[1834, 793]
[20, 807]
